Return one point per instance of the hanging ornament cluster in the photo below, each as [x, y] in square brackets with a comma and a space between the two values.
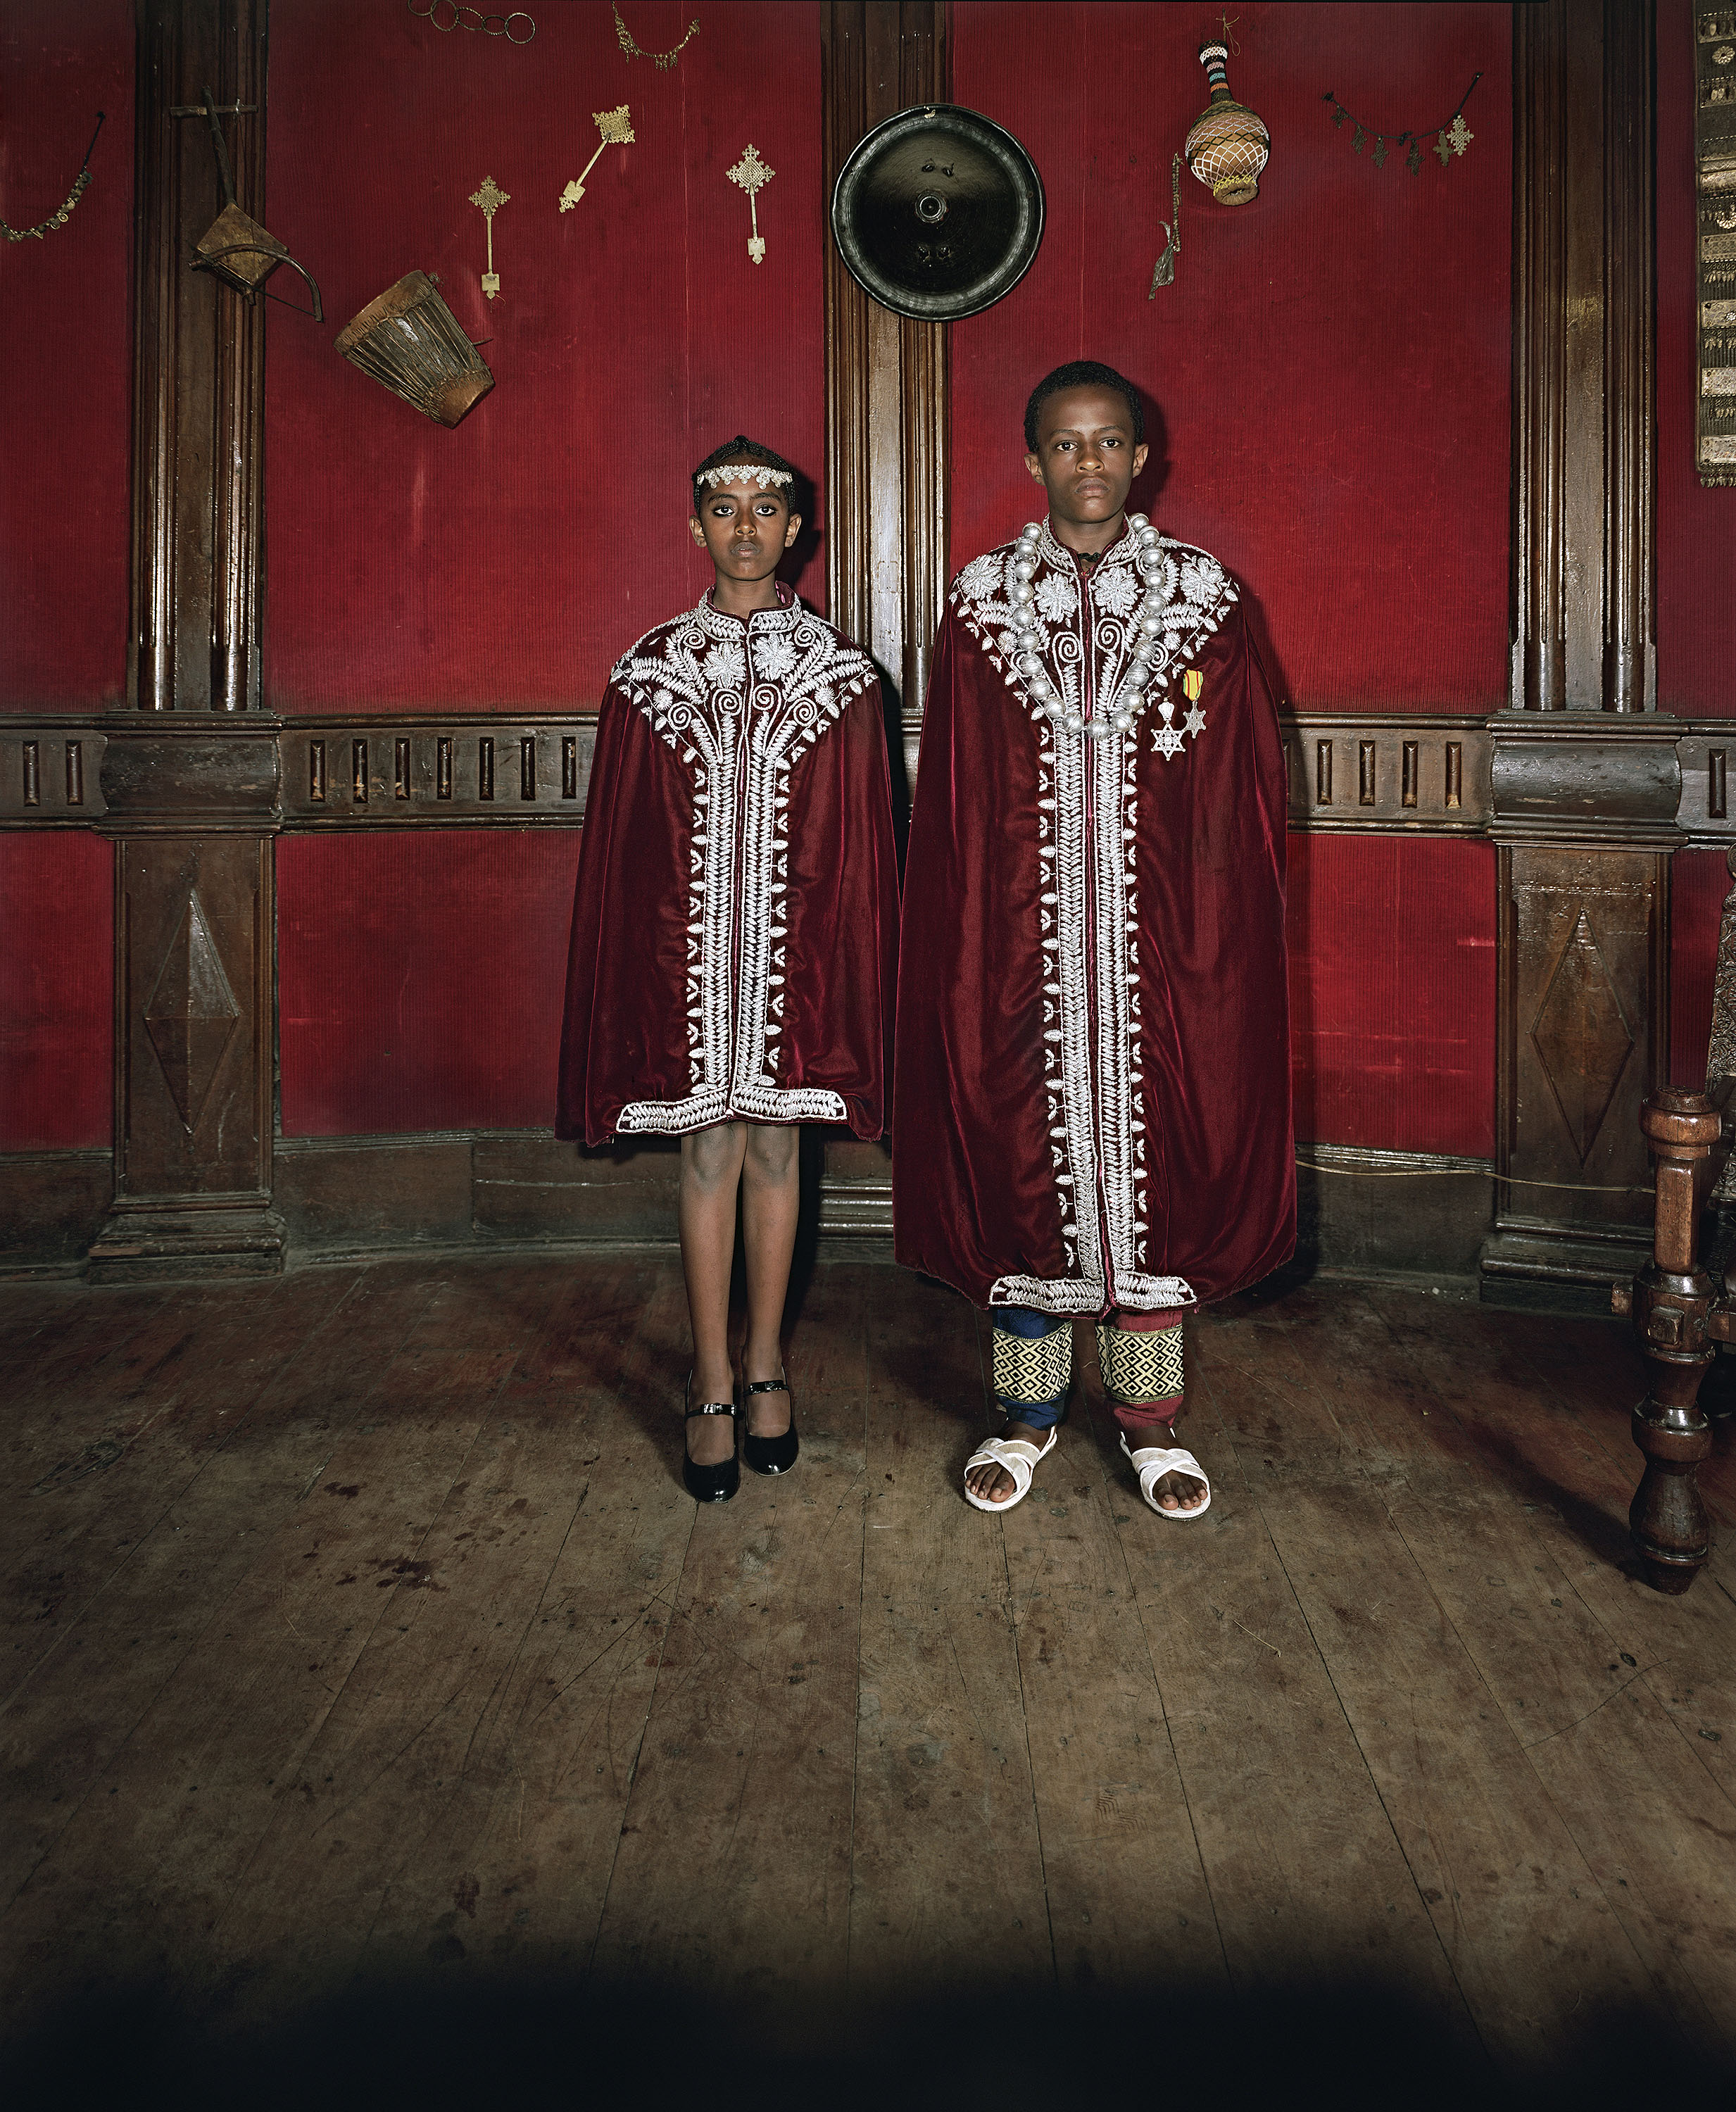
[1228, 145]
[81, 183]
[1165, 273]
[662, 60]
[1443, 140]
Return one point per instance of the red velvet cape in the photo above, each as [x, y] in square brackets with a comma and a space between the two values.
[735, 930]
[1093, 1081]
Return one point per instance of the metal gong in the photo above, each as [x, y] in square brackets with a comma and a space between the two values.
[938, 212]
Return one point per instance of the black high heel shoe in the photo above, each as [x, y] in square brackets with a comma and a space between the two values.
[771, 1456]
[708, 1485]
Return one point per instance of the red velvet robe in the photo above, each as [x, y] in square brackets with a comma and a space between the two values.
[1093, 1096]
[735, 933]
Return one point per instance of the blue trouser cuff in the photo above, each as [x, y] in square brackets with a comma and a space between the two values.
[1033, 1364]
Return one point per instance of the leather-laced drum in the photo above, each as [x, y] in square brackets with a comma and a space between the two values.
[938, 212]
[409, 340]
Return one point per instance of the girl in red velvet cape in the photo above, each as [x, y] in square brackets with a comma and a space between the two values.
[732, 964]
[1093, 1100]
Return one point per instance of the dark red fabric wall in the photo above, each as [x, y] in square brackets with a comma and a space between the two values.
[1392, 1008]
[66, 412]
[56, 989]
[1696, 527]
[65, 426]
[420, 978]
[1331, 366]
[1699, 881]
[509, 562]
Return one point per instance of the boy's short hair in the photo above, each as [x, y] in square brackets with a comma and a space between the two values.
[751, 454]
[1083, 373]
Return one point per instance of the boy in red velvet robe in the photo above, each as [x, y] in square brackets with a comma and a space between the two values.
[1092, 1111]
[732, 969]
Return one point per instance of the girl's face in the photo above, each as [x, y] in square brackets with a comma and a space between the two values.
[746, 530]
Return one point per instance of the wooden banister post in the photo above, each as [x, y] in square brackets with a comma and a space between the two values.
[1671, 1302]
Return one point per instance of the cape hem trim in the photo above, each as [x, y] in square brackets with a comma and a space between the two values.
[705, 1110]
[1077, 1294]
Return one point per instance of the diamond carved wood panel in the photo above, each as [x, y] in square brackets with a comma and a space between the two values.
[191, 1013]
[194, 1017]
[1582, 1037]
[1583, 987]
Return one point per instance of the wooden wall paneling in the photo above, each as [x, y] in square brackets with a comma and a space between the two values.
[1538, 679]
[1583, 392]
[188, 776]
[200, 365]
[1629, 388]
[886, 383]
[1410, 773]
[1583, 1000]
[1585, 777]
[886, 453]
[51, 771]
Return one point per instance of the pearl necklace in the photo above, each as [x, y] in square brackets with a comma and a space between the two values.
[1028, 655]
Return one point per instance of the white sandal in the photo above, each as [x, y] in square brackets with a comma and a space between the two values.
[1017, 1456]
[1152, 1462]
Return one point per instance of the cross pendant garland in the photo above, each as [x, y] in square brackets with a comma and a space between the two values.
[1451, 137]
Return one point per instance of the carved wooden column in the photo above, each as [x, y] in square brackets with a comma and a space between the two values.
[886, 453]
[885, 376]
[1584, 776]
[189, 772]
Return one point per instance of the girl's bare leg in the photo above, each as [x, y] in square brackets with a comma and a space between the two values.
[711, 1174]
[771, 1198]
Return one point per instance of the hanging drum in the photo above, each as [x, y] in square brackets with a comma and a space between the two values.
[938, 212]
[410, 340]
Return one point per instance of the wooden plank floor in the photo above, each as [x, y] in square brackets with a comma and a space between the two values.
[360, 1635]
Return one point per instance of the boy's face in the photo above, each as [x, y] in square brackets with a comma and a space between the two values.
[746, 529]
[1085, 458]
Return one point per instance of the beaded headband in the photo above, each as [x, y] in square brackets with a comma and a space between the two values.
[748, 472]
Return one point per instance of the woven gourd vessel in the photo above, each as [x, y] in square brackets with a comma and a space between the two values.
[1228, 145]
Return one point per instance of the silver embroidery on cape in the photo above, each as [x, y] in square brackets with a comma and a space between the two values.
[1087, 897]
[740, 702]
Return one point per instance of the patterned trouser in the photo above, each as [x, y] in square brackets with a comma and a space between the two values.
[1140, 1354]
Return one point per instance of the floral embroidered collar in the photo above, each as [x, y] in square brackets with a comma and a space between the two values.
[719, 623]
[1055, 552]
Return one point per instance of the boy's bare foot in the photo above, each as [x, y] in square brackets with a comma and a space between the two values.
[993, 1484]
[1172, 1492]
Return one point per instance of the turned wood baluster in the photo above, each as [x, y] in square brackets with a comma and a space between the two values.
[1671, 1302]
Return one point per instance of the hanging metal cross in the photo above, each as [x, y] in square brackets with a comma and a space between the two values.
[616, 127]
[490, 197]
[753, 174]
